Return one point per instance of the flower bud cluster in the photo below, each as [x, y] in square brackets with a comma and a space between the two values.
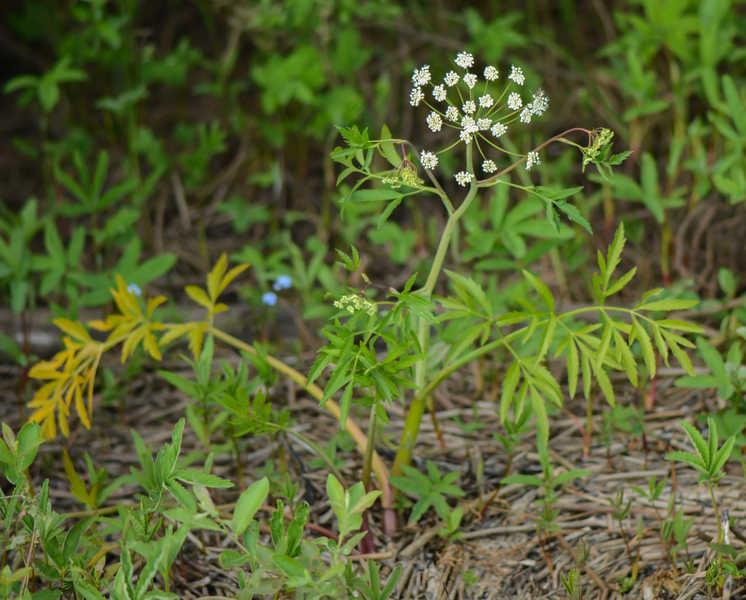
[600, 137]
[355, 302]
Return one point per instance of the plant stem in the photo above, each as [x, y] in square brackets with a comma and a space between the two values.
[369, 448]
[717, 513]
[588, 426]
[417, 407]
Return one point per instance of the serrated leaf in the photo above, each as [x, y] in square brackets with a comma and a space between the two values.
[572, 367]
[510, 382]
[647, 346]
[541, 289]
[668, 305]
[698, 442]
[614, 255]
[625, 279]
[546, 340]
[540, 410]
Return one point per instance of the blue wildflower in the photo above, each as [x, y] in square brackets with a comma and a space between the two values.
[133, 288]
[269, 298]
[283, 283]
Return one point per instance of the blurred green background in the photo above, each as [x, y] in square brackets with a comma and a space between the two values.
[138, 133]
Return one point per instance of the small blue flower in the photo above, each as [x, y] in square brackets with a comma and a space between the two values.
[269, 298]
[283, 283]
[133, 288]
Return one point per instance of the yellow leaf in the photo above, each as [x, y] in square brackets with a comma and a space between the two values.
[62, 413]
[77, 487]
[129, 298]
[216, 276]
[73, 329]
[41, 372]
[219, 307]
[99, 325]
[196, 337]
[154, 303]
[43, 394]
[175, 332]
[199, 296]
[151, 345]
[230, 276]
[132, 341]
[48, 426]
[80, 407]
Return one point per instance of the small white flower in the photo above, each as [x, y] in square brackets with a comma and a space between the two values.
[429, 160]
[452, 78]
[532, 159]
[416, 97]
[452, 113]
[514, 101]
[526, 114]
[540, 103]
[490, 73]
[516, 74]
[465, 136]
[498, 129]
[462, 177]
[469, 107]
[464, 60]
[470, 79]
[439, 92]
[434, 122]
[133, 288]
[489, 166]
[484, 124]
[469, 124]
[486, 101]
[421, 76]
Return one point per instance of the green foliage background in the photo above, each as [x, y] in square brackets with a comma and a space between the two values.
[139, 126]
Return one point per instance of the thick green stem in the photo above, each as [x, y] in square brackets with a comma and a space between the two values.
[418, 405]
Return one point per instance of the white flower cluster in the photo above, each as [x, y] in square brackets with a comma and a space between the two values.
[421, 76]
[540, 103]
[516, 74]
[474, 114]
[434, 121]
[462, 177]
[498, 129]
[416, 96]
[464, 60]
[514, 101]
[353, 302]
[429, 160]
[484, 124]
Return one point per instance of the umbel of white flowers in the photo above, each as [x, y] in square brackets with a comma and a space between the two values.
[472, 114]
